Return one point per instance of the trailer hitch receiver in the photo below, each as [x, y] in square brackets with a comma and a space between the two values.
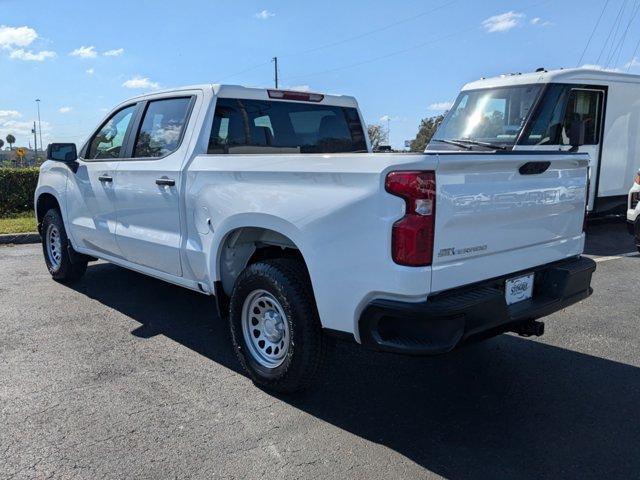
[529, 328]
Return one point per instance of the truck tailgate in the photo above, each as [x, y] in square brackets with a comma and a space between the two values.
[503, 213]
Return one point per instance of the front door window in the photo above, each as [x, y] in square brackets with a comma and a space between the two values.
[109, 140]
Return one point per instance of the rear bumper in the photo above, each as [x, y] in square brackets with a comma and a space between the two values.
[452, 317]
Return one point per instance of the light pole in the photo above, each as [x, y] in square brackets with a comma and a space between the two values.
[35, 139]
[39, 124]
[275, 61]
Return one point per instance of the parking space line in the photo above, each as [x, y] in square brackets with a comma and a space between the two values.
[599, 259]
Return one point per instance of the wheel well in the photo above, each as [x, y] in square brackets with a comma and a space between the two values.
[248, 245]
[45, 202]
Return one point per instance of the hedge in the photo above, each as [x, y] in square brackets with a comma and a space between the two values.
[17, 186]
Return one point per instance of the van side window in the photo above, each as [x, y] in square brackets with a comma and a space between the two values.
[107, 142]
[562, 108]
[262, 126]
[162, 127]
[583, 107]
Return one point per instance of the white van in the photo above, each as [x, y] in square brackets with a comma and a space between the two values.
[633, 210]
[592, 111]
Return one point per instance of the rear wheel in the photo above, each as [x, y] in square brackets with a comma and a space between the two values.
[275, 328]
[55, 245]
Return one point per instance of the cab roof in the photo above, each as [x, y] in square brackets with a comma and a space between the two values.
[238, 91]
[569, 75]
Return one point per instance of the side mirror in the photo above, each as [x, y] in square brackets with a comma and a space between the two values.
[577, 132]
[62, 152]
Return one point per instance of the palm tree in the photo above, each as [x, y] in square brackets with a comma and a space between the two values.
[11, 140]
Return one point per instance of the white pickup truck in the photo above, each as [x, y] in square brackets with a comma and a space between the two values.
[272, 201]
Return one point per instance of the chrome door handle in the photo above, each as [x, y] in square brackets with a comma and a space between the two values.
[105, 178]
[165, 182]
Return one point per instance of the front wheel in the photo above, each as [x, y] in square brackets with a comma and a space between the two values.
[55, 245]
[275, 327]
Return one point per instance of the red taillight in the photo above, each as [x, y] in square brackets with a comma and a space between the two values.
[412, 235]
[293, 95]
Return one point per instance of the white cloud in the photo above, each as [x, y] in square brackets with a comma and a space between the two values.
[592, 66]
[540, 22]
[22, 131]
[85, 52]
[30, 56]
[141, 82]
[16, 36]
[440, 106]
[10, 124]
[299, 88]
[116, 52]
[503, 22]
[264, 15]
[65, 109]
[5, 114]
[634, 62]
[90, 71]
[389, 118]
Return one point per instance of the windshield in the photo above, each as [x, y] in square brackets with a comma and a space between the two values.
[489, 118]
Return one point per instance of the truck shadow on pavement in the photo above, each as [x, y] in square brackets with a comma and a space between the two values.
[608, 236]
[505, 408]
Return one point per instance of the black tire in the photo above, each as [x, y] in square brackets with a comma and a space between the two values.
[287, 281]
[62, 270]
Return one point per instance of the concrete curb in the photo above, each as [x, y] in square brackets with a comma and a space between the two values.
[19, 238]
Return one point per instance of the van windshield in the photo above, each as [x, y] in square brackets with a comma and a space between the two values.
[245, 126]
[486, 118]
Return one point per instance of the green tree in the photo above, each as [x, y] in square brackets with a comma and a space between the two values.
[377, 135]
[428, 127]
[1, 143]
[11, 140]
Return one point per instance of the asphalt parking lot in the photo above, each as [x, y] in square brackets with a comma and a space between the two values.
[124, 376]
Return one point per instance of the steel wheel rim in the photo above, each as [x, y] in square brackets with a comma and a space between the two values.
[54, 246]
[265, 329]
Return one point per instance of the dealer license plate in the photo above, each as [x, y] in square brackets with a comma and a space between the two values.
[518, 289]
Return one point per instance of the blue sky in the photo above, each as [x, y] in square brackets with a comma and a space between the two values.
[402, 59]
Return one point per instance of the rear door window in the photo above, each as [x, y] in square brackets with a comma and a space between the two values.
[262, 126]
[162, 127]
